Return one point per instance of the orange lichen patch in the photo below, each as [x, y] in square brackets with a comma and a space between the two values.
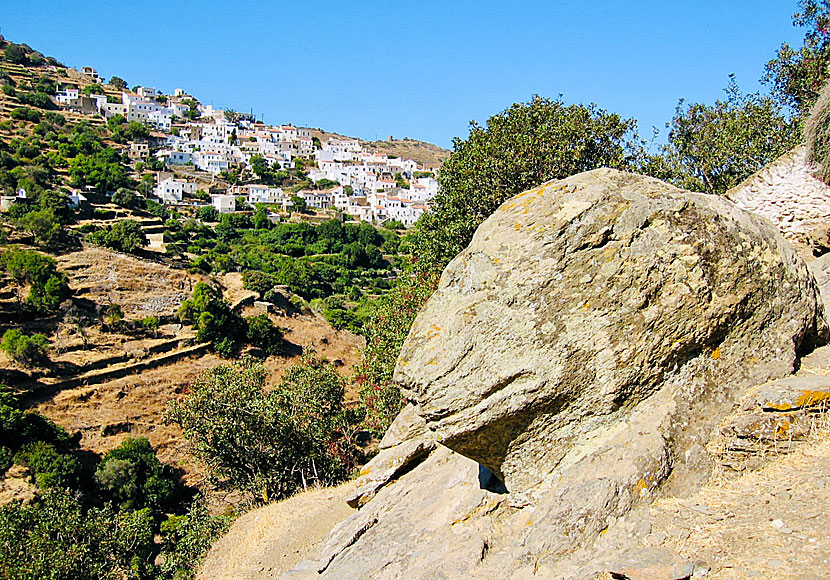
[782, 427]
[716, 353]
[810, 398]
[517, 226]
[641, 486]
[779, 406]
[603, 531]
[586, 306]
[365, 471]
[434, 331]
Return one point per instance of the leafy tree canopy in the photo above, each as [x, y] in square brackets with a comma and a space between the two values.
[266, 443]
[521, 147]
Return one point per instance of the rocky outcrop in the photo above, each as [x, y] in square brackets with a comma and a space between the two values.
[578, 301]
[573, 364]
[787, 193]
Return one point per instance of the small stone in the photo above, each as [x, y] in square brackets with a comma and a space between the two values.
[777, 524]
[655, 539]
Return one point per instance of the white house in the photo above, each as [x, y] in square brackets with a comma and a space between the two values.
[224, 203]
[172, 190]
[66, 96]
[92, 73]
[211, 161]
[316, 199]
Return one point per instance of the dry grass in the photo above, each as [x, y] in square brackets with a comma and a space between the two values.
[267, 541]
[106, 413]
[817, 134]
[769, 523]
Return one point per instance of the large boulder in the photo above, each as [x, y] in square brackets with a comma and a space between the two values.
[584, 349]
[579, 300]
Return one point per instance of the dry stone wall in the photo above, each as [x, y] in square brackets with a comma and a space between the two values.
[786, 193]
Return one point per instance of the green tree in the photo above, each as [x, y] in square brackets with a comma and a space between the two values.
[714, 148]
[519, 148]
[26, 350]
[50, 467]
[796, 75]
[47, 286]
[299, 204]
[207, 213]
[385, 330]
[266, 443]
[213, 319]
[260, 166]
[132, 475]
[55, 538]
[44, 227]
[118, 83]
[124, 236]
[187, 538]
[126, 198]
[264, 334]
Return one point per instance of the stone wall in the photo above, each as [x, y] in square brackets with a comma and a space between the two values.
[786, 193]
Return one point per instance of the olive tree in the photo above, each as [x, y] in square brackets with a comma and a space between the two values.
[267, 442]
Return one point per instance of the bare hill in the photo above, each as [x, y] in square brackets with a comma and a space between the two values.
[422, 152]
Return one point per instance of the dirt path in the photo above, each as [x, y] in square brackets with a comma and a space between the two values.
[266, 542]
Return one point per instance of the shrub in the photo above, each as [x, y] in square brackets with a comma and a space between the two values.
[264, 334]
[207, 213]
[187, 538]
[54, 537]
[134, 477]
[25, 114]
[213, 319]
[26, 350]
[266, 443]
[50, 468]
[124, 236]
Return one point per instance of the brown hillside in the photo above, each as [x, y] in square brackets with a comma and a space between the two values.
[420, 151]
[107, 385]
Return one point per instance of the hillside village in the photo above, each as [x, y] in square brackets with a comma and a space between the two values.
[204, 142]
[226, 353]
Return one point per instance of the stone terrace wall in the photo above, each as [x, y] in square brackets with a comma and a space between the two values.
[786, 193]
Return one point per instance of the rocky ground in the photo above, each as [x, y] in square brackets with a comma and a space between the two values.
[720, 471]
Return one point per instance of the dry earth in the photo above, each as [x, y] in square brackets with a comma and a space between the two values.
[266, 542]
[419, 151]
[766, 524]
[105, 412]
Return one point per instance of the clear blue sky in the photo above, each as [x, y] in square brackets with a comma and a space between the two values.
[415, 69]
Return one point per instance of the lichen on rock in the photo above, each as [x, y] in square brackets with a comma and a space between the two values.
[612, 287]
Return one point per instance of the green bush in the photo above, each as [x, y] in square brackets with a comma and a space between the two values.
[213, 319]
[267, 443]
[26, 350]
[264, 334]
[187, 538]
[124, 236]
[47, 287]
[133, 477]
[50, 468]
[55, 538]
